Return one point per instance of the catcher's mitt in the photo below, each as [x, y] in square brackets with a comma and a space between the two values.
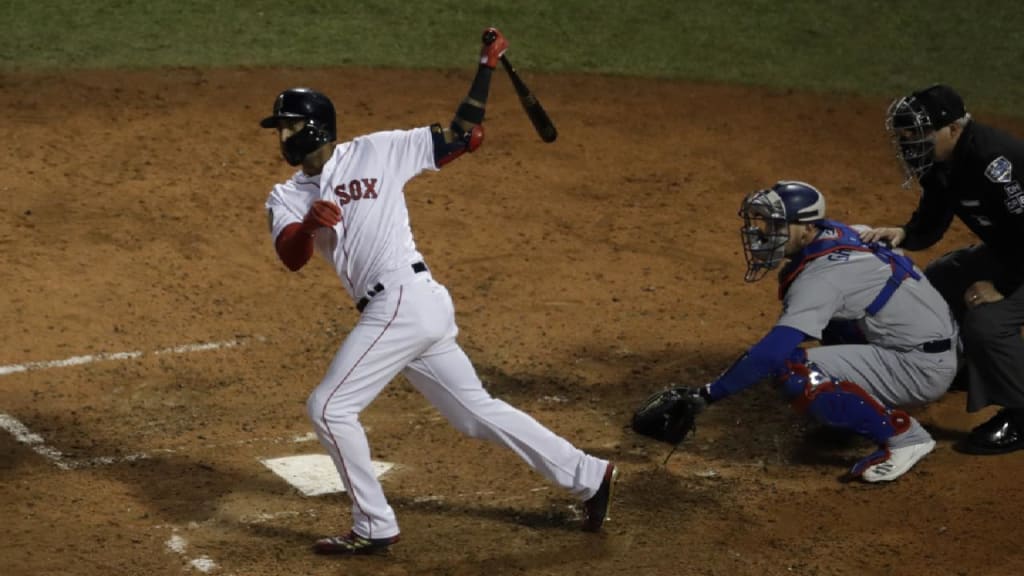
[669, 415]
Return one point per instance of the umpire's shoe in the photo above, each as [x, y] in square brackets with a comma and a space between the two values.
[595, 510]
[353, 544]
[1003, 433]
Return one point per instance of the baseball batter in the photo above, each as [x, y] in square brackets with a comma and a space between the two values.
[347, 203]
[888, 337]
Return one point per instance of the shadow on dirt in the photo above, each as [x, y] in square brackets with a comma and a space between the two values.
[754, 425]
[176, 487]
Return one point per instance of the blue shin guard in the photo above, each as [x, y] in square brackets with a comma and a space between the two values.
[844, 405]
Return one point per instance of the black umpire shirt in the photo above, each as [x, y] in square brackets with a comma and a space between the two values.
[981, 185]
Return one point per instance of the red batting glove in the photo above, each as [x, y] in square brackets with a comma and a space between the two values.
[494, 46]
[475, 138]
[322, 214]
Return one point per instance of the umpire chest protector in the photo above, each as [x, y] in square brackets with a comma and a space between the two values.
[847, 239]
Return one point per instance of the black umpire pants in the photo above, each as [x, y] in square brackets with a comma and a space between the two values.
[991, 332]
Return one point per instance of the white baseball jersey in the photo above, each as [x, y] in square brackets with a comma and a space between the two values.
[365, 178]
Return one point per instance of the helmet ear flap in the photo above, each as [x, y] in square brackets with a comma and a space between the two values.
[304, 142]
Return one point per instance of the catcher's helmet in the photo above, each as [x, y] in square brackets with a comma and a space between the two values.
[767, 215]
[912, 121]
[311, 106]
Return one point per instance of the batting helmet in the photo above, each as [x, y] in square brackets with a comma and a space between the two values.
[320, 126]
[767, 215]
[912, 120]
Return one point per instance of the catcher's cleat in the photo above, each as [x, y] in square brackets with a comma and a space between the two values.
[898, 463]
[595, 510]
[353, 544]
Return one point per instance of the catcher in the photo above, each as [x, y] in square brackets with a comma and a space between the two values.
[888, 340]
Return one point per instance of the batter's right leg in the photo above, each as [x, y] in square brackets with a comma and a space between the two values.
[446, 377]
[376, 349]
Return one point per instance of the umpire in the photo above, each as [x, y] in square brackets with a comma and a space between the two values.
[967, 169]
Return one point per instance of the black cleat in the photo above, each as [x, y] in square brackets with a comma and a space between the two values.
[595, 510]
[353, 544]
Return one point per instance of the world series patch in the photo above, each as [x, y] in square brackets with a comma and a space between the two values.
[999, 170]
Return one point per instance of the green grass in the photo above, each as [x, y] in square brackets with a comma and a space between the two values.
[872, 47]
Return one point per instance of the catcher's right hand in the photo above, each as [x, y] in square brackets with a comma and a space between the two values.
[669, 415]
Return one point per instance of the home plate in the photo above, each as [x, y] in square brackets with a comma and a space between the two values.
[314, 474]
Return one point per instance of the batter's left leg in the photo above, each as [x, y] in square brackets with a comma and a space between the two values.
[446, 377]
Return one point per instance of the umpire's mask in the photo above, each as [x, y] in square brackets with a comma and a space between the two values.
[912, 122]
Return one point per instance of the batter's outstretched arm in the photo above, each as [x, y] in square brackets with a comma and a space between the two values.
[465, 133]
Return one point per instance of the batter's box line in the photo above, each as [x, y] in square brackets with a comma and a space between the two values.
[179, 545]
[23, 435]
[107, 356]
[34, 441]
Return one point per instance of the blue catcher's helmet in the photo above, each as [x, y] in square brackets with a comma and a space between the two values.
[767, 215]
[320, 126]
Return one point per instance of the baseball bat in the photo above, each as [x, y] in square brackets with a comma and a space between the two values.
[538, 116]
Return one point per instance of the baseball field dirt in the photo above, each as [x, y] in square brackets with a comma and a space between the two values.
[586, 274]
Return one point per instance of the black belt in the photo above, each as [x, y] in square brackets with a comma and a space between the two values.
[418, 267]
[936, 346]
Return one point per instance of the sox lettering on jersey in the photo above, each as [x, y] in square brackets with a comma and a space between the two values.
[356, 189]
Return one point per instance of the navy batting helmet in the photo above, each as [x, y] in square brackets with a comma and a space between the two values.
[767, 215]
[320, 126]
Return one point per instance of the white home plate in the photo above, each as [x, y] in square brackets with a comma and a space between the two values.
[314, 474]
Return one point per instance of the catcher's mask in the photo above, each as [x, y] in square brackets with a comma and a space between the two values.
[912, 122]
[767, 215]
[319, 128]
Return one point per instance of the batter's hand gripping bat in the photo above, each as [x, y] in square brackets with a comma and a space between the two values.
[538, 116]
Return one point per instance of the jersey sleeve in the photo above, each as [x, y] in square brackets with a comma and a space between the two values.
[931, 219]
[281, 212]
[766, 358]
[408, 152]
[810, 303]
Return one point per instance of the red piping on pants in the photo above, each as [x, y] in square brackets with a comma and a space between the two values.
[323, 414]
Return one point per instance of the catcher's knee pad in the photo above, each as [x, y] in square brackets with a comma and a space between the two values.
[842, 404]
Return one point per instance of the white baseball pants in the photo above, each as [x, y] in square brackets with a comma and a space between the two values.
[410, 328]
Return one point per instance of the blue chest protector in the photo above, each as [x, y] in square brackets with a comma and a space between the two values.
[847, 239]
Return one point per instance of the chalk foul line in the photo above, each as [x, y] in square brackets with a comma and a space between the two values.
[90, 358]
[179, 545]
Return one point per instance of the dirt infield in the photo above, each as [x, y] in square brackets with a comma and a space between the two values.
[586, 274]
